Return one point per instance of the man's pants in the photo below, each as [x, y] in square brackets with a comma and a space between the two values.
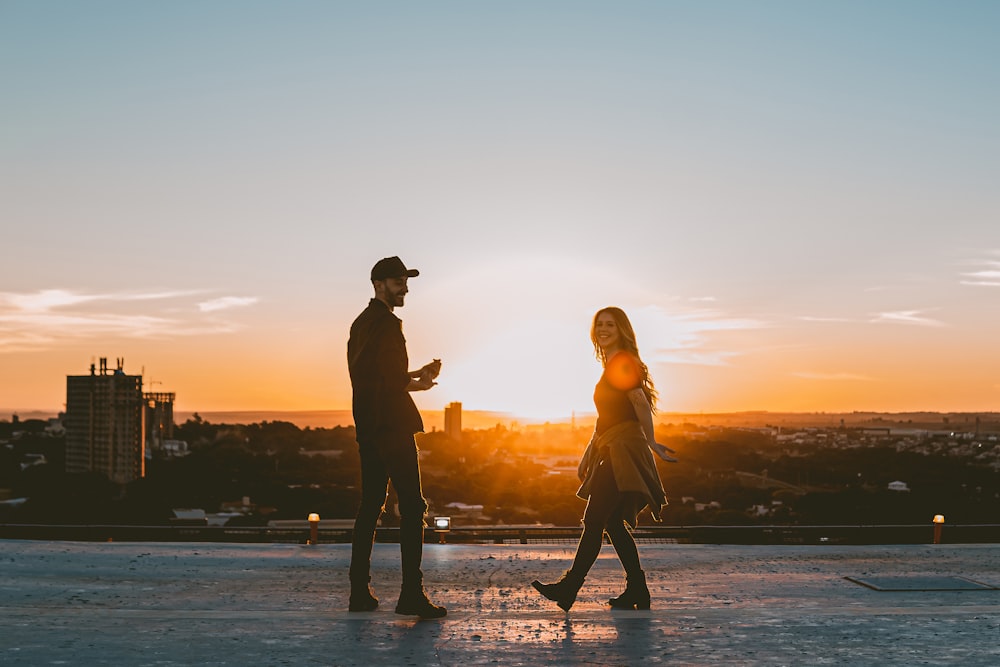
[390, 457]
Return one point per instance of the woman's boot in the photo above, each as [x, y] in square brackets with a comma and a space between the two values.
[563, 592]
[636, 595]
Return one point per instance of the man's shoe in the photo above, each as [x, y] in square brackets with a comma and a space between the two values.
[362, 598]
[415, 603]
[362, 602]
[563, 592]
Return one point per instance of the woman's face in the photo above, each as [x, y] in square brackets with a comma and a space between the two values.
[606, 331]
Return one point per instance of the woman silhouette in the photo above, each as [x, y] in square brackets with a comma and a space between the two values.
[617, 470]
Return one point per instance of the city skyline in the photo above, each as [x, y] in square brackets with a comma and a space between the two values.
[795, 204]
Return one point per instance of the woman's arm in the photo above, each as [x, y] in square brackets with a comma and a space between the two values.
[642, 410]
[645, 414]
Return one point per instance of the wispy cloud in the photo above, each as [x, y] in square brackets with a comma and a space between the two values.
[46, 300]
[992, 274]
[988, 275]
[47, 318]
[909, 317]
[22, 341]
[985, 278]
[687, 337]
[42, 301]
[814, 318]
[832, 377]
[226, 302]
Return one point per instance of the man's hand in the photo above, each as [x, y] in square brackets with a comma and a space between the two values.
[423, 378]
[420, 384]
[431, 370]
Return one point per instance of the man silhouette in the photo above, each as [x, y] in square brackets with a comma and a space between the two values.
[386, 419]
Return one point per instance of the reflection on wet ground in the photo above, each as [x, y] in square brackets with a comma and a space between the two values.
[183, 604]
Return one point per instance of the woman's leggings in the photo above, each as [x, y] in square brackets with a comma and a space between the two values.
[604, 513]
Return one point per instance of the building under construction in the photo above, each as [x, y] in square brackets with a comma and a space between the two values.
[104, 423]
[159, 418]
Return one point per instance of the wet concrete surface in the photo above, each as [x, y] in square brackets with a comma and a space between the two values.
[80, 603]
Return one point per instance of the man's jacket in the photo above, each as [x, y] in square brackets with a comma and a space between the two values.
[379, 368]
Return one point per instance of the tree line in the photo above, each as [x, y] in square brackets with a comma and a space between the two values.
[731, 477]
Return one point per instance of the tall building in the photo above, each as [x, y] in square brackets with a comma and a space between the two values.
[104, 423]
[453, 421]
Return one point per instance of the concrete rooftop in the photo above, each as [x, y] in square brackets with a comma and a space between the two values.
[85, 603]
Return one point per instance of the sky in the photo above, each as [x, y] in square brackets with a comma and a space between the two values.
[795, 202]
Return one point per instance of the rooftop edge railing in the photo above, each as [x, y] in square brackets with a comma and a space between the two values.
[791, 535]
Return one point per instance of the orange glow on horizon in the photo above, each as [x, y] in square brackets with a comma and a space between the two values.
[539, 368]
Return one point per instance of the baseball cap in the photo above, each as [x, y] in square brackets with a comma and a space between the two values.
[392, 267]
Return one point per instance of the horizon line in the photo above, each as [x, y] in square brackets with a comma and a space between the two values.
[514, 416]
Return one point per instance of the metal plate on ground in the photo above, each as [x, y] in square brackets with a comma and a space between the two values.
[915, 583]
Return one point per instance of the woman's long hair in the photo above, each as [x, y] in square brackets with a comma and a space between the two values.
[626, 341]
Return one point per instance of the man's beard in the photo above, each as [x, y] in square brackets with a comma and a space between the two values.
[396, 299]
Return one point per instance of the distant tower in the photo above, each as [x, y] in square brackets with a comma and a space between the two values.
[159, 418]
[453, 421]
[104, 423]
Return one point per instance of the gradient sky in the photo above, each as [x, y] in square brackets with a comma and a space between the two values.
[796, 202]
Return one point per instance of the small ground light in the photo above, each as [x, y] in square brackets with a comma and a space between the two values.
[313, 528]
[442, 524]
[938, 524]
